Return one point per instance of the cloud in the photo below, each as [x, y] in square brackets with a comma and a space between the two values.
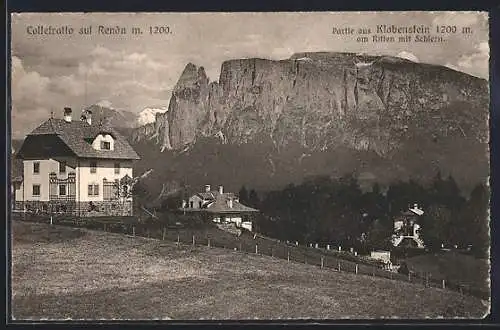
[459, 19]
[29, 92]
[129, 81]
[127, 75]
[408, 56]
[475, 63]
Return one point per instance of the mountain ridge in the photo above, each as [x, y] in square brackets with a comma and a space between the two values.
[382, 117]
[202, 108]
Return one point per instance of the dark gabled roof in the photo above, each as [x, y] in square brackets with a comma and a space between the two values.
[206, 195]
[78, 136]
[213, 195]
[219, 203]
[221, 206]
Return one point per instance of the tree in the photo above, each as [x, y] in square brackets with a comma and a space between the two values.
[243, 195]
[475, 220]
[123, 189]
[253, 199]
[436, 224]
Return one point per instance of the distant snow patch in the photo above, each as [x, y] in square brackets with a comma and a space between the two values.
[148, 115]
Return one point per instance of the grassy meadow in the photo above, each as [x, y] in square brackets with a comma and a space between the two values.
[70, 273]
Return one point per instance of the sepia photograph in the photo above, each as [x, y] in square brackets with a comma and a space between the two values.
[249, 166]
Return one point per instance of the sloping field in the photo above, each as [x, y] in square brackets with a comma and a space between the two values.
[455, 267]
[61, 273]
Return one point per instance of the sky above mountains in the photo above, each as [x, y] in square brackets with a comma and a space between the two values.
[133, 72]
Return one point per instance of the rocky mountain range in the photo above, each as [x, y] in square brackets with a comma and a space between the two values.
[265, 124]
[113, 117]
[384, 118]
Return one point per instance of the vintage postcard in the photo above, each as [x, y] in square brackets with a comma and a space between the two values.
[250, 166]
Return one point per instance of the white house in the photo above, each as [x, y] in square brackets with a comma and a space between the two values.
[77, 167]
[407, 228]
[220, 207]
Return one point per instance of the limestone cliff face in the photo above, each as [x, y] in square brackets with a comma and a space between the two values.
[158, 131]
[322, 101]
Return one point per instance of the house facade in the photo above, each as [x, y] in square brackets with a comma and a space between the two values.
[407, 228]
[220, 207]
[73, 166]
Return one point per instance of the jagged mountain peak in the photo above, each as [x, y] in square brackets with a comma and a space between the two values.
[323, 102]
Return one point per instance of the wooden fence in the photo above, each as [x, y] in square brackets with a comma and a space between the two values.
[212, 237]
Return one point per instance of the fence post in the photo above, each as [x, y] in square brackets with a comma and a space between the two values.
[178, 241]
[193, 241]
[356, 269]
[209, 242]
[288, 256]
[443, 284]
[240, 247]
[321, 262]
[51, 219]
[133, 231]
[256, 249]
[339, 266]
[163, 234]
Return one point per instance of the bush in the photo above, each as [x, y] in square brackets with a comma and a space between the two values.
[403, 269]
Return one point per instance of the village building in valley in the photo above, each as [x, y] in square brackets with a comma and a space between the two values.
[407, 228]
[220, 207]
[76, 167]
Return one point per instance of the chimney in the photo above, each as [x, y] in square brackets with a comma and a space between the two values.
[221, 190]
[207, 188]
[67, 115]
[88, 116]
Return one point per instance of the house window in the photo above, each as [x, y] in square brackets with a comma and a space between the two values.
[36, 168]
[62, 167]
[36, 190]
[199, 204]
[93, 167]
[117, 168]
[105, 145]
[191, 204]
[93, 190]
[62, 190]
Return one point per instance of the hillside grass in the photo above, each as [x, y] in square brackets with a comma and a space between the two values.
[69, 273]
[455, 267]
